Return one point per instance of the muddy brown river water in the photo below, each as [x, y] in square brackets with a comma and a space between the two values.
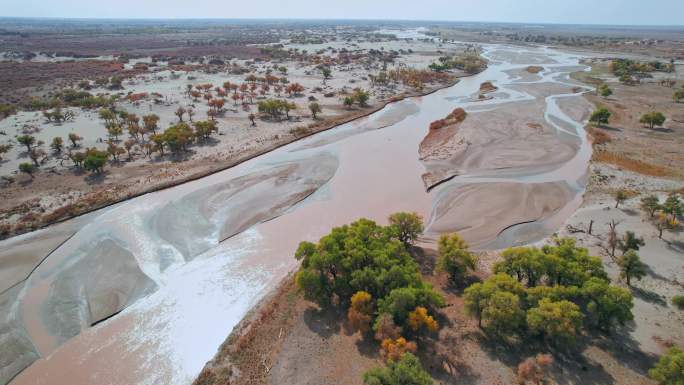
[145, 291]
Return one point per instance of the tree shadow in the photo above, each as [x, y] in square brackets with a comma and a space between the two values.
[653, 274]
[178, 157]
[630, 212]
[95, 179]
[575, 368]
[79, 171]
[324, 322]
[209, 142]
[649, 296]
[368, 347]
[624, 349]
[610, 128]
[662, 129]
[23, 182]
[457, 288]
[570, 365]
[677, 246]
[426, 259]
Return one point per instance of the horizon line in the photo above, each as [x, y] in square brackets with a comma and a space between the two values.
[133, 18]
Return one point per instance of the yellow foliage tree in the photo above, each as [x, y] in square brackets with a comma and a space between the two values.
[420, 318]
[393, 350]
[360, 312]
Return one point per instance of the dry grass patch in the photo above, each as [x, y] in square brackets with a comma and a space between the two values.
[630, 164]
[599, 136]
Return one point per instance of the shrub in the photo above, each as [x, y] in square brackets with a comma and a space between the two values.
[533, 369]
[420, 319]
[669, 369]
[28, 168]
[600, 137]
[394, 350]
[385, 328]
[678, 300]
[7, 110]
[360, 312]
[406, 371]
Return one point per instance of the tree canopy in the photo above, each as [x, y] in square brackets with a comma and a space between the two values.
[406, 371]
[406, 226]
[653, 119]
[631, 266]
[454, 257]
[551, 291]
[600, 116]
[367, 268]
[670, 368]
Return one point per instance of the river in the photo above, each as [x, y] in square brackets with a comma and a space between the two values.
[145, 291]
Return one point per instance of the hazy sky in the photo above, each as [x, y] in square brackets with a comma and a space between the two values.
[653, 12]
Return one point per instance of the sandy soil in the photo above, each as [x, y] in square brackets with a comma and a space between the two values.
[470, 209]
[517, 136]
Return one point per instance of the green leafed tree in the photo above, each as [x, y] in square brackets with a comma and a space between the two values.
[670, 368]
[502, 313]
[406, 226]
[630, 241]
[57, 144]
[620, 197]
[600, 117]
[631, 266]
[4, 148]
[557, 321]
[653, 119]
[607, 305]
[673, 205]
[27, 140]
[650, 204]
[478, 297]
[363, 256]
[406, 371]
[605, 91]
[455, 258]
[315, 109]
[28, 168]
[95, 160]
[678, 96]
[348, 101]
[402, 301]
